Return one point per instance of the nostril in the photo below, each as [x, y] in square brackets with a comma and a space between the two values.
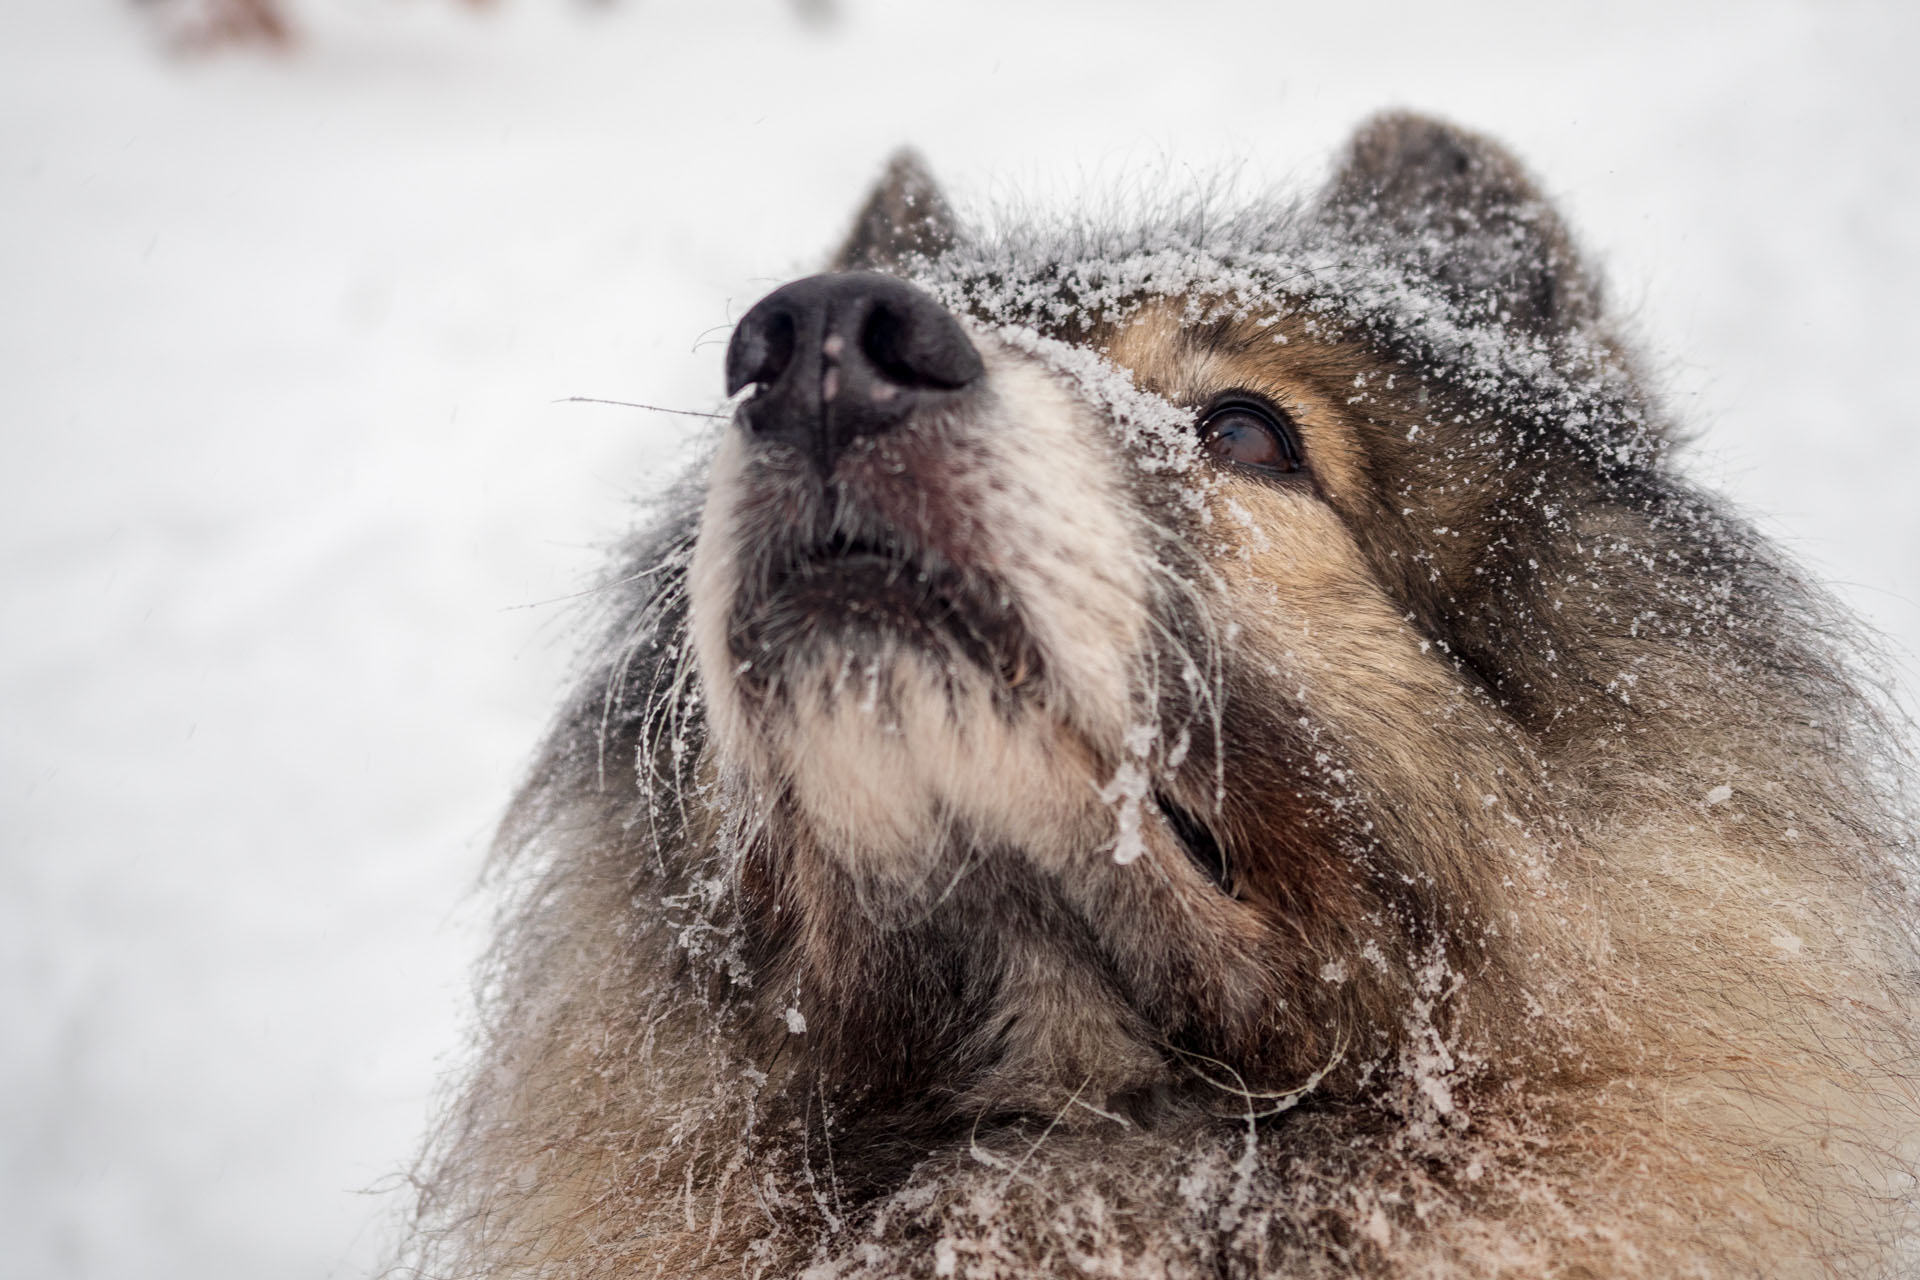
[883, 340]
[918, 344]
[761, 350]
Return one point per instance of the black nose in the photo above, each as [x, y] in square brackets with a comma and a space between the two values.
[842, 357]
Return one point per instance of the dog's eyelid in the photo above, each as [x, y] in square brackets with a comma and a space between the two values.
[1245, 429]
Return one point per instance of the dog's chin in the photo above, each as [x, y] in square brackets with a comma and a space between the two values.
[900, 721]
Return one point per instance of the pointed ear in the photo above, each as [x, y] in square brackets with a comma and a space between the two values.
[1460, 209]
[906, 217]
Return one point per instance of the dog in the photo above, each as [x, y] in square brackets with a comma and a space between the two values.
[1220, 746]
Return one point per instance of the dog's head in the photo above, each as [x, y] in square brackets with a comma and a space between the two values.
[1125, 654]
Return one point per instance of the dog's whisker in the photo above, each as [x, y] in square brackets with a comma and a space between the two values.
[652, 408]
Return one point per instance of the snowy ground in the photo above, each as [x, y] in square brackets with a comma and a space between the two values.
[285, 501]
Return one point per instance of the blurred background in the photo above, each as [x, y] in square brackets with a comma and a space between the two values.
[288, 509]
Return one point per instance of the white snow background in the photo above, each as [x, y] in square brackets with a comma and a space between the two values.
[285, 498]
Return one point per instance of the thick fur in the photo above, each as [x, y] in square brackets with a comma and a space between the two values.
[1476, 854]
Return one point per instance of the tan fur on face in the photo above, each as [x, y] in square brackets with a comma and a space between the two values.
[1305, 377]
[1302, 592]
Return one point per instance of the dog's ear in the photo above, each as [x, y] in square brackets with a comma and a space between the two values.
[1460, 209]
[906, 217]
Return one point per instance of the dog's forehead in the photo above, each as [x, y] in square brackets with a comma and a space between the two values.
[1207, 278]
[1074, 278]
[1184, 362]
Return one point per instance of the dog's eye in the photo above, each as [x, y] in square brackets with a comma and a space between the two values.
[1249, 435]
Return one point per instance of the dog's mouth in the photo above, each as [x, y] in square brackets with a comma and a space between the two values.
[863, 593]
